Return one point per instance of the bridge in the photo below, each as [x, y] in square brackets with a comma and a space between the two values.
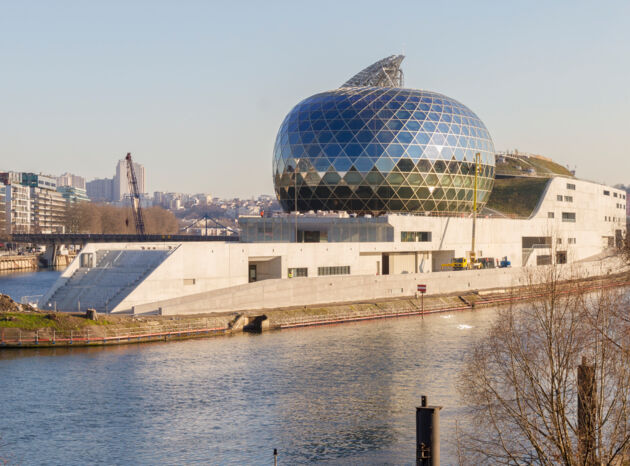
[84, 238]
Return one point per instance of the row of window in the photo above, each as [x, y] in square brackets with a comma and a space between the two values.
[569, 241]
[560, 197]
[571, 186]
[321, 271]
[415, 236]
[297, 272]
[612, 219]
[566, 216]
[607, 193]
[338, 270]
[621, 206]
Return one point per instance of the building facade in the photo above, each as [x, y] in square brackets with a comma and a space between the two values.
[18, 208]
[120, 183]
[74, 181]
[100, 190]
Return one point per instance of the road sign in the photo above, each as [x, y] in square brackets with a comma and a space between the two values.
[422, 288]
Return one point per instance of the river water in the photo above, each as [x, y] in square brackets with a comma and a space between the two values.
[343, 394]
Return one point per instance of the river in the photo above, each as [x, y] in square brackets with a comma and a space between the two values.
[335, 394]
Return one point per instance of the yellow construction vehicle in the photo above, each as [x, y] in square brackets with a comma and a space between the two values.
[459, 263]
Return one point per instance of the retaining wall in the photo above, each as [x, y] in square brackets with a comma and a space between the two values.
[278, 293]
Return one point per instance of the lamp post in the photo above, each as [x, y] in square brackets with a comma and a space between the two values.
[473, 253]
[295, 174]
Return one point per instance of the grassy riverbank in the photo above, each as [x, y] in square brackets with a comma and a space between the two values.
[22, 325]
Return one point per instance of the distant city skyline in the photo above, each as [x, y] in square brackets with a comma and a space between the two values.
[197, 91]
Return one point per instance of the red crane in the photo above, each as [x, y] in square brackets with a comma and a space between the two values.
[135, 196]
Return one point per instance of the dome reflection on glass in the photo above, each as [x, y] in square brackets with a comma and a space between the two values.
[382, 149]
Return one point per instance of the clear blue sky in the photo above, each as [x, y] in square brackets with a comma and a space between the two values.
[197, 90]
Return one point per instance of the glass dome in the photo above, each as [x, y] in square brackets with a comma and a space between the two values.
[372, 150]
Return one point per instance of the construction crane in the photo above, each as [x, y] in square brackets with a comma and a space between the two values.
[134, 194]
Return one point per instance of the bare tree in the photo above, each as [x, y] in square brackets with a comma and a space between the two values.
[86, 217]
[520, 380]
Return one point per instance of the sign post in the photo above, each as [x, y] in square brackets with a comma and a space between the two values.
[422, 289]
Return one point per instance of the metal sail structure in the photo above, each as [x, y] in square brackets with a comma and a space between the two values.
[383, 73]
[135, 196]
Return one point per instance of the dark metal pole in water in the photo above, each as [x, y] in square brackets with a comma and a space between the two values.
[275, 457]
[427, 434]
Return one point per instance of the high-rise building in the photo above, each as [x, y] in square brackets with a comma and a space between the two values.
[68, 179]
[18, 208]
[3, 208]
[100, 190]
[121, 182]
[73, 194]
[48, 211]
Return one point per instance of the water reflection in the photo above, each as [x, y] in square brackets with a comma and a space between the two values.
[334, 394]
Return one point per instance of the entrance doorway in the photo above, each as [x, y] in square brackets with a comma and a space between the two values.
[252, 273]
[385, 259]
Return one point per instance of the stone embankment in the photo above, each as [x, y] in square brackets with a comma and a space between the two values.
[25, 262]
[22, 326]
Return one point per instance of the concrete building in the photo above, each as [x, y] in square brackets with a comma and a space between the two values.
[18, 208]
[120, 183]
[48, 212]
[74, 181]
[72, 194]
[340, 249]
[3, 209]
[100, 190]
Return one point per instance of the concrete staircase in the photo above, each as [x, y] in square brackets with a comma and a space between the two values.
[115, 275]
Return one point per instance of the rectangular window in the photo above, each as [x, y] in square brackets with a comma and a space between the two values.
[550, 215]
[558, 240]
[606, 193]
[338, 270]
[571, 240]
[559, 197]
[568, 198]
[297, 272]
[189, 281]
[415, 236]
[571, 186]
[568, 217]
[615, 194]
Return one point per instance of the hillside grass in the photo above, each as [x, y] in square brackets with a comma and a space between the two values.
[516, 196]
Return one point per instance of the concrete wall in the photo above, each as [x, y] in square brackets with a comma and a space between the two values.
[326, 290]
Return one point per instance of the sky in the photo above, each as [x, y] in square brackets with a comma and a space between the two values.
[196, 90]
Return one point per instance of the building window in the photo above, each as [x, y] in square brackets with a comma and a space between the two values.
[571, 240]
[615, 194]
[568, 198]
[559, 197]
[415, 236]
[338, 270]
[571, 186]
[558, 240]
[297, 272]
[568, 217]
[550, 215]
[606, 193]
